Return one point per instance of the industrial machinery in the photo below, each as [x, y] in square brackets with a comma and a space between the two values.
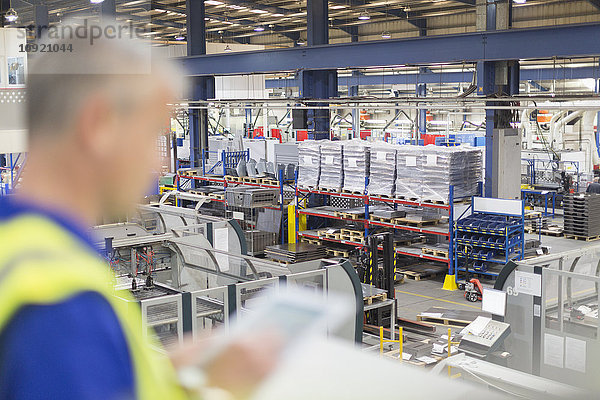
[189, 273]
[552, 307]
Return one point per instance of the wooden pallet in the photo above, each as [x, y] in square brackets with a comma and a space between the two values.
[430, 201]
[381, 219]
[383, 196]
[337, 191]
[338, 253]
[232, 178]
[415, 199]
[355, 192]
[342, 214]
[351, 232]
[423, 271]
[415, 223]
[188, 172]
[417, 276]
[251, 179]
[217, 196]
[585, 238]
[375, 298]
[354, 239]
[269, 181]
[434, 252]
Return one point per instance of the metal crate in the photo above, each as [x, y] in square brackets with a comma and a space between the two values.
[251, 197]
[257, 241]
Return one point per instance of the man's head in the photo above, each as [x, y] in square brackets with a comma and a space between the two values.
[100, 109]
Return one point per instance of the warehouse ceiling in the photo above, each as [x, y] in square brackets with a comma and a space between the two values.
[282, 23]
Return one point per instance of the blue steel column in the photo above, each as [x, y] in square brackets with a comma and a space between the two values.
[353, 92]
[203, 88]
[486, 87]
[41, 18]
[108, 10]
[422, 92]
[318, 84]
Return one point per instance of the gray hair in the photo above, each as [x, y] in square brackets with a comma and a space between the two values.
[90, 59]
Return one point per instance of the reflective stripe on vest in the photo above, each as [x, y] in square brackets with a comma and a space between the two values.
[41, 263]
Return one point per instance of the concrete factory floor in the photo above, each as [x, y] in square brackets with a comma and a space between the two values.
[415, 297]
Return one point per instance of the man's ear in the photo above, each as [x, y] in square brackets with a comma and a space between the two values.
[94, 135]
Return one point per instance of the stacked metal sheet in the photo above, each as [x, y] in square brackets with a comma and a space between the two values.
[441, 167]
[296, 252]
[309, 163]
[356, 165]
[409, 177]
[332, 166]
[582, 214]
[382, 179]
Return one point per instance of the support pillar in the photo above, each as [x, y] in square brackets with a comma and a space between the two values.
[318, 84]
[494, 77]
[203, 88]
[353, 92]
[108, 10]
[4, 6]
[42, 22]
[421, 91]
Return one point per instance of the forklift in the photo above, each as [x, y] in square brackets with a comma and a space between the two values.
[377, 267]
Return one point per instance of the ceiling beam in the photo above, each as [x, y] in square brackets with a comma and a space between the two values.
[595, 3]
[535, 43]
[468, 2]
[258, 6]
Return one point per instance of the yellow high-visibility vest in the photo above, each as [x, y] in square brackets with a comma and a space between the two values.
[41, 264]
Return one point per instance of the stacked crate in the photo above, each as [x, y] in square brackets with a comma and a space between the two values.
[356, 165]
[382, 179]
[582, 215]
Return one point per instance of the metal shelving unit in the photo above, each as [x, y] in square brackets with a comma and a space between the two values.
[489, 235]
[303, 193]
[229, 160]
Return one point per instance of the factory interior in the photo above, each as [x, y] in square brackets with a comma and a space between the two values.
[431, 166]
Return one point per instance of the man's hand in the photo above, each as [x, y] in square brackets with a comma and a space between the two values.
[240, 367]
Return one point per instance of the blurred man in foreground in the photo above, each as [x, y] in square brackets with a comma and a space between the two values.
[94, 115]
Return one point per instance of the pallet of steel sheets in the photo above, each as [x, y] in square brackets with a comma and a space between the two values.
[309, 164]
[295, 252]
[382, 174]
[409, 179]
[356, 165]
[332, 166]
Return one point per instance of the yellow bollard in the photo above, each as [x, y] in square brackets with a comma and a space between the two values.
[381, 340]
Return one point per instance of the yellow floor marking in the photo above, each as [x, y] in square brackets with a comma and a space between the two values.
[435, 298]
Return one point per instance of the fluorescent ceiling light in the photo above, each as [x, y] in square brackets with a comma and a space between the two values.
[213, 2]
[259, 28]
[364, 16]
[386, 35]
[337, 7]
[278, 15]
[259, 11]
[520, 1]
[179, 37]
[11, 15]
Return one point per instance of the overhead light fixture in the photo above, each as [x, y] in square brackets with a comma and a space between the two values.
[227, 48]
[386, 35]
[179, 37]
[300, 42]
[364, 16]
[259, 28]
[519, 1]
[11, 15]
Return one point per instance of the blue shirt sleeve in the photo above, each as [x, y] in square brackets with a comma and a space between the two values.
[72, 350]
